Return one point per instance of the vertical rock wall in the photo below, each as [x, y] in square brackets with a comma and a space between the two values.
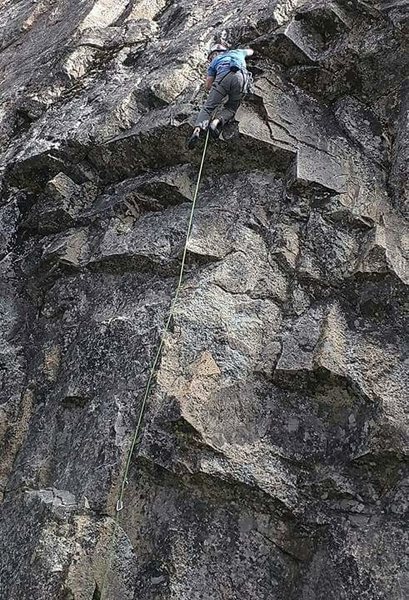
[273, 460]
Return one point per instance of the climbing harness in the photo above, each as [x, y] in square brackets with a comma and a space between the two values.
[124, 482]
[248, 81]
[248, 86]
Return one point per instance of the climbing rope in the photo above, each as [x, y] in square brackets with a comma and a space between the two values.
[120, 500]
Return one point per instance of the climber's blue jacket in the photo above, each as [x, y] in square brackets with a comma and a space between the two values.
[232, 60]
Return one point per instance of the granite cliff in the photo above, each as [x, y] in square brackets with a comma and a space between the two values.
[273, 459]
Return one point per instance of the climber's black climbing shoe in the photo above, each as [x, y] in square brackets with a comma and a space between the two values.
[215, 131]
[194, 138]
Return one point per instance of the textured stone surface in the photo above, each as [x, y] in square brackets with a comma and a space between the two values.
[273, 459]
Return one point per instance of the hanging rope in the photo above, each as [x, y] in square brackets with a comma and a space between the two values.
[120, 501]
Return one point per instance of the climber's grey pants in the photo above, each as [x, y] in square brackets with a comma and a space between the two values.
[230, 85]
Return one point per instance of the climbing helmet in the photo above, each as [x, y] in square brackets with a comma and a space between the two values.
[216, 48]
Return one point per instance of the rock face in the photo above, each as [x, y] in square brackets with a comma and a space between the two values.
[272, 462]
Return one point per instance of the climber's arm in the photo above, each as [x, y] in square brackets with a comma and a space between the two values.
[209, 82]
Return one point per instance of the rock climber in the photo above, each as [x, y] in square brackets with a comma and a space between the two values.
[227, 77]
